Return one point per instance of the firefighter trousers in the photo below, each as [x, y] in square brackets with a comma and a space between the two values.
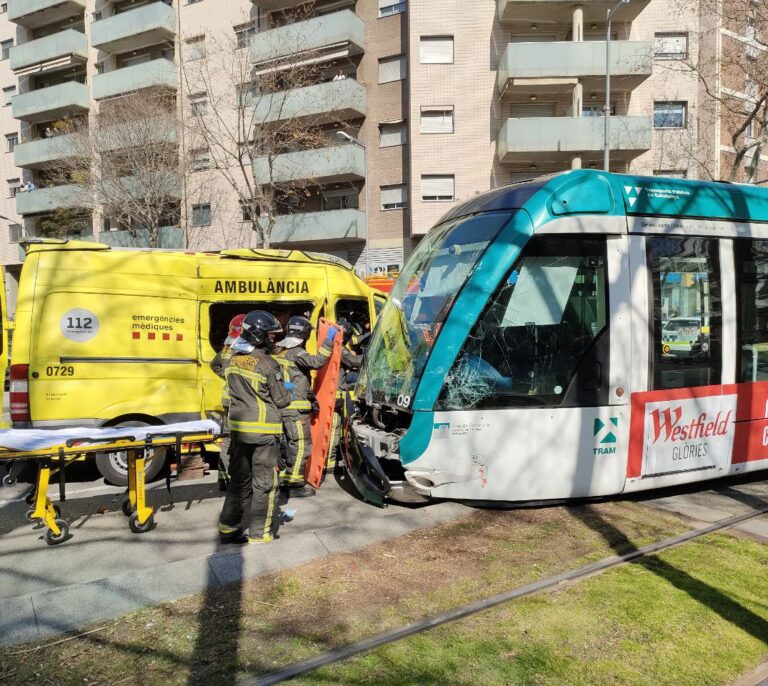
[333, 444]
[251, 502]
[298, 439]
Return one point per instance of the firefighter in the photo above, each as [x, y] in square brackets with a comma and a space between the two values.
[219, 365]
[257, 393]
[350, 363]
[297, 365]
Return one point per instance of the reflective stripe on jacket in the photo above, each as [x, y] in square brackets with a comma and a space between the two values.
[297, 365]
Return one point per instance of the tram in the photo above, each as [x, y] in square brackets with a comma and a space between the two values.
[577, 335]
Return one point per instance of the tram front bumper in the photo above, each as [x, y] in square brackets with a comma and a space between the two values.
[363, 466]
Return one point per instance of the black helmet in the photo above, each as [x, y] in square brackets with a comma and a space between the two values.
[349, 329]
[298, 327]
[257, 326]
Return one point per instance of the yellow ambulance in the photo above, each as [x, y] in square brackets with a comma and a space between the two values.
[108, 337]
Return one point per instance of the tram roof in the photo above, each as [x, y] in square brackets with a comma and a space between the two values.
[589, 191]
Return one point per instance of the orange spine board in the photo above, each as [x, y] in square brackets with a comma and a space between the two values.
[326, 383]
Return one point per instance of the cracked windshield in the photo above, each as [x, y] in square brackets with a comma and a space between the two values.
[420, 302]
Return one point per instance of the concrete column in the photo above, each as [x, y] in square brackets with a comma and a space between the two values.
[576, 162]
[577, 99]
[578, 23]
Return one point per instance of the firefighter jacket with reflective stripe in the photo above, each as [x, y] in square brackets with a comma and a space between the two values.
[349, 362]
[256, 396]
[219, 365]
[297, 365]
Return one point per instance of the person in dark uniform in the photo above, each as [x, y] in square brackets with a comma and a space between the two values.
[257, 393]
[297, 365]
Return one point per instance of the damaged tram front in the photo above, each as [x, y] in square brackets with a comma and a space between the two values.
[578, 335]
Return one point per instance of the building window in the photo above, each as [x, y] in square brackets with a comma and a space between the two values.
[671, 173]
[5, 47]
[596, 110]
[11, 141]
[14, 231]
[392, 69]
[669, 115]
[247, 211]
[394, 197]
[201, 159]
[438, 187]
[389, 7]
[8, 94]
[3, 10]
[670, 46]
[192, 2]
[436, 120]
[13, 187]
[341, 199]
[196, 48]
[198, 104]
[244, 34]
[201, 215]
[436, 50]
[392, 134]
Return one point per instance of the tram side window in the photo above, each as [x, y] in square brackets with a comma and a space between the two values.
[752, 268]
[686, 325]
[543, 338]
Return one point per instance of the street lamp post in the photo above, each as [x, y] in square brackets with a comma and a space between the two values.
[344, 136]
[607, 107]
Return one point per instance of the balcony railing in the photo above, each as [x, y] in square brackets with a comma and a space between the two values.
[340, 31]
[336, 164]
[45, 200]
[65, 48]
[560, 138]
[155, 73]
[138, 28]
[35, 13]
[631, 62]
[331, 225]
[323, 103]
[54, 102]
[44, 151]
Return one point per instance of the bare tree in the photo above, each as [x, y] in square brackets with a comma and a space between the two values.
[244, 119]
[124, 163]
[729, 60]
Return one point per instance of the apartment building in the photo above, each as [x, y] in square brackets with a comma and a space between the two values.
[417, 104]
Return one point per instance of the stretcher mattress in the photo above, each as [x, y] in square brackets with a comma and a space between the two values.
[40, 439]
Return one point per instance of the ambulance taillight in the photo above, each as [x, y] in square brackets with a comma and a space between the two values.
[19, 392]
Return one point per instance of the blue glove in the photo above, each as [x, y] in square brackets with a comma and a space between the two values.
[288, 385]
[331, 334]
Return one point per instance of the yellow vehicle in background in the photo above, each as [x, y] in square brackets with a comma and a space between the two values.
[116, 337]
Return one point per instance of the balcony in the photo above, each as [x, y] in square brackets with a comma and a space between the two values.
[272, 5]
[51, 53]
[331, 225]
[327, 165]
[54, 102]
[159, 72]
[560, 11]
[339, 34]
[322, 103]
[560, 138]
[170, 237]
[45, 200]
[548, 67]
[32, 14]
[39, 153]
[135, 29]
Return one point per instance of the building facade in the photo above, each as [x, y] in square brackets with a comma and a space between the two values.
[415, 109]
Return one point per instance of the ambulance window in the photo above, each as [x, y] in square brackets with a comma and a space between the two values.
[543, 339]
[378, 304]
[685, 288]
[752, 268]
[220, 314]
[355, 311]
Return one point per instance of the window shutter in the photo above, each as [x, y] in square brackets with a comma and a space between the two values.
[436, 50]
[391, 195]
[392, 69]
[437, 121]
[392, 134]
[434, 186]
[539, 109]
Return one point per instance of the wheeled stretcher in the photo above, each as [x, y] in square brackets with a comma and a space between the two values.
[54, 449]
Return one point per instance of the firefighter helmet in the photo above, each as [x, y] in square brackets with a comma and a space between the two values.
[298, 327]
[257, 326]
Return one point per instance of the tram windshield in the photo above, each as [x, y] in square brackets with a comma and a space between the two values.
[419, 304]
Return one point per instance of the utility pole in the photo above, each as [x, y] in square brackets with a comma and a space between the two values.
[607, 107]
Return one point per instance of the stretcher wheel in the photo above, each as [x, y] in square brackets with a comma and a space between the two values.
[31, 511]
[30, 497]
[126, 507]
[9, 480]
[54, 539]
[137, 528]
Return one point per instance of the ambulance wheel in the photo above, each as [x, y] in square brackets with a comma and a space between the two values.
[114, 466]
[126, 507]
[137, 528]
[54, 539]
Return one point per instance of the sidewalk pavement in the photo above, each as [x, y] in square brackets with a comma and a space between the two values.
[48, 590]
